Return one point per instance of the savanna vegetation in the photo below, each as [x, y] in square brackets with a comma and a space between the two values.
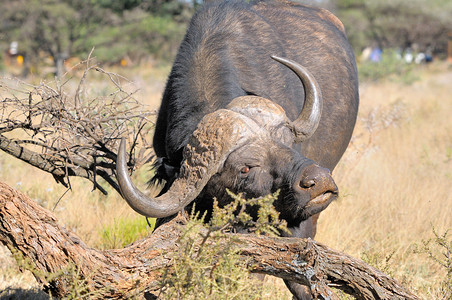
[395, 179]
[395, 182]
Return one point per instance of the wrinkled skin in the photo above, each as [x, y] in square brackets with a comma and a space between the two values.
[223, 60]
[260, 168]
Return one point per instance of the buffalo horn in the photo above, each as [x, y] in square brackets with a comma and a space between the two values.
[217, 135]
[307, 122]
[163, 206]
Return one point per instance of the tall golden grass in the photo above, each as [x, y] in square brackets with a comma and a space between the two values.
[395, 179]
[395, 182]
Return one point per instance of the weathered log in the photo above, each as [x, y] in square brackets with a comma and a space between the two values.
[32, 231]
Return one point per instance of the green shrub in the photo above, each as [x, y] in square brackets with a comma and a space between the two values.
[208, 266]
[439, 250]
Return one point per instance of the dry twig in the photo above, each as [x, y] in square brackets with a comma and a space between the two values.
[74, 134]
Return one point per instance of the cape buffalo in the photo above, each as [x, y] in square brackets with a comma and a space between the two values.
[262, 96]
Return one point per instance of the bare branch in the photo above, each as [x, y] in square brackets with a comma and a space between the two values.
[67, 132]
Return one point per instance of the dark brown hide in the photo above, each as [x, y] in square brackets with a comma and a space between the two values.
[224, 64]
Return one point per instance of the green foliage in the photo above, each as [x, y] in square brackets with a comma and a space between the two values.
[59, 29]
[156, 7]
[212, 271]
[158, 35]
[439, 250]
[207, 264]
[235, 214]
[391, 65]
[125, 231]
[117, 5]
[32, 22]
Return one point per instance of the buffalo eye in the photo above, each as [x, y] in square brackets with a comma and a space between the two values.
[245, 170]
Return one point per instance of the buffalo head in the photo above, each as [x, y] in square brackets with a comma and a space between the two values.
[246, 147]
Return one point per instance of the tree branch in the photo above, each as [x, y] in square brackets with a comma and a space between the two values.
[32, 231]
[74, 135]
[33, 158]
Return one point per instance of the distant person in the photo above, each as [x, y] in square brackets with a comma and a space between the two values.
[365, 55]
[408, 57]
[375, 55]
[429, 55]
[420, 58]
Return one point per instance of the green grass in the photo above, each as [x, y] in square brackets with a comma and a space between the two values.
[123, 231]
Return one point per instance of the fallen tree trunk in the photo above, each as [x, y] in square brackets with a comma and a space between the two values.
[33, 235]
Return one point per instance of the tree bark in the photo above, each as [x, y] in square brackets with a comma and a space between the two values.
[33, 233]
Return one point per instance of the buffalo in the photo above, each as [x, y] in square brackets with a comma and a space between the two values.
[262, 96]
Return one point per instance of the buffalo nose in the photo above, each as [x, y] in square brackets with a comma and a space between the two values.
[317, 181]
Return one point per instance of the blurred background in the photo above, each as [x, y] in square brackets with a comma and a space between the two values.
[45, 37]
[395, 179]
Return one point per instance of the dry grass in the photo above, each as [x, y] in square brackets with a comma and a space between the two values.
[395, 181]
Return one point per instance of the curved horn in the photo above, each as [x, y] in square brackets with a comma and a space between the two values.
[160, 207]
[307, 122]
[217, 135]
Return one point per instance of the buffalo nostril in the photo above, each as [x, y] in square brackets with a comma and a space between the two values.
[316, 180]
[307, 183]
